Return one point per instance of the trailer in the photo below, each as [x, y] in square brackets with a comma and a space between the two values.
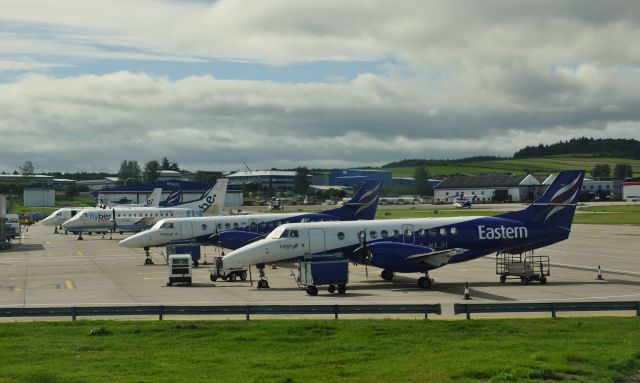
[525, 266]
[325, 270]
[179, 269]
[218, 271]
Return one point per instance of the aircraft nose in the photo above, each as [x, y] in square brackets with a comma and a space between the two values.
[132, 241]
[244, 256]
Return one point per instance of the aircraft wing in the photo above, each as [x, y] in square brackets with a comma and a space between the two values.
[146, 221]
[435, 258]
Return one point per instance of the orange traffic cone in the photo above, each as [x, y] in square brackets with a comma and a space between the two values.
[599, 276]
[467, 295]
[274, 266]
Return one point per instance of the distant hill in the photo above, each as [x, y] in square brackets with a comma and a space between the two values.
[609, 147]
[421, 162]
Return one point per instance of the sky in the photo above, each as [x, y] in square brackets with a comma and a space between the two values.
[87, 84]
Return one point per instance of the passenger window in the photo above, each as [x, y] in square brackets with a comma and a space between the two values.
[243, 225]
[384, 234]
[432, 232]
[422, 232]
[219, 226]
[235, 225]
[454, 231]
[262, 224]
[443, 231]
[204, 227]
[227, 225]
[396, 233]
[373, 234]
[340, 235]
[408, 232]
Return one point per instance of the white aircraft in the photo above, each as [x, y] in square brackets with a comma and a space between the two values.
[64, 214]
[121, 219]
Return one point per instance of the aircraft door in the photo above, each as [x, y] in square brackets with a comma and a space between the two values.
[186, 230]
[316, 241]
[408, 235]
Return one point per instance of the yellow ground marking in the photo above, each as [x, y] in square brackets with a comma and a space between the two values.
[70, 285]
[31, 287]
[80, 253]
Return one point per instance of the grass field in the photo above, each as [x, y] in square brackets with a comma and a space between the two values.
[520, 166]
[599, 349]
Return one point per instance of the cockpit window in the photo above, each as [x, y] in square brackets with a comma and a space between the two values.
[293, 233]
[167, 225]
[276, 232]
[285, 234]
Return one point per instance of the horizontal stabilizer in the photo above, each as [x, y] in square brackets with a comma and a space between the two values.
[435, 258]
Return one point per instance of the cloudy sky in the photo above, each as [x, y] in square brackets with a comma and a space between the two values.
[281, 83]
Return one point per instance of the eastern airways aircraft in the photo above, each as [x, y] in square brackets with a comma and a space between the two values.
[139, 218]
[64, 214]
[232, 232]
[423, 244]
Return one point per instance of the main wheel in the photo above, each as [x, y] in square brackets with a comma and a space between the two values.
[387, 275]
[543, 280]
[263, 284]
[312, 290]
[148, 261]
[503, 278]
[243, 276]
[213, 277]
[342, 288]
[424, 282]
[332, 289]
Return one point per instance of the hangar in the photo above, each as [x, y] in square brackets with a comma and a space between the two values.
[631, 189]
[493, 188]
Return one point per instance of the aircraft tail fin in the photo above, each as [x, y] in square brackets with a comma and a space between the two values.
[213, 202]
[557, 206]
[173, 198]
[154, 198]
[363, 205]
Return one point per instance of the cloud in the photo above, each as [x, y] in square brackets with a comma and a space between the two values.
[93, 122]
[456, 78]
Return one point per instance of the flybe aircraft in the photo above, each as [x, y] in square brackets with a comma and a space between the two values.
[139, 218]
[422, 244]
[232, 232]
[64, 214]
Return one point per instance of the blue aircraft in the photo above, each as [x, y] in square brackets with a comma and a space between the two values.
[422, 244]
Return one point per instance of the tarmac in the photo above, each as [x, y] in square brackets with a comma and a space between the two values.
[48, 269]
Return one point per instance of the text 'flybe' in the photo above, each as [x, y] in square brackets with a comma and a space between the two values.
[502, 232]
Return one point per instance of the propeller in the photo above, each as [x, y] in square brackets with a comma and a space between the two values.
[362, 251]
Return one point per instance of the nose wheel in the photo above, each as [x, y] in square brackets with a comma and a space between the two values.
[424, 282]
[148, 260]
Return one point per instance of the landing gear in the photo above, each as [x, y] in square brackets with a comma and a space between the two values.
[424, 282]
[213, 277]
[148, 260]
[387, 275]
[80, 237]
[262, 283]
[331, 289]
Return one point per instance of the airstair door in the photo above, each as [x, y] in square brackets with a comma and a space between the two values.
[186, 230]
[408, 235]
[316, 241]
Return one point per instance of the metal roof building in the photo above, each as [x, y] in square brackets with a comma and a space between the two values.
[493, 188]
[281, 180]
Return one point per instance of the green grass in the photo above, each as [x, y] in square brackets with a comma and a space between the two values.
[521, 166]
[392, 214]
[519, 350]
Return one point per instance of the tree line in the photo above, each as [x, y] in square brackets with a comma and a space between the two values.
[610, 147]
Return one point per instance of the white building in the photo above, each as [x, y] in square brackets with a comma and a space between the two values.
[95, 185]
[631, 189]
[280, 180]
[39, 196]
[492, 188]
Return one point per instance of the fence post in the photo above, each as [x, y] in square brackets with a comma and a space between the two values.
[336, 310]
[638, 308]
[248, 311]
[73, 313]
[426, 312]
[553, 310]
[161, 312]
[468, 312]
